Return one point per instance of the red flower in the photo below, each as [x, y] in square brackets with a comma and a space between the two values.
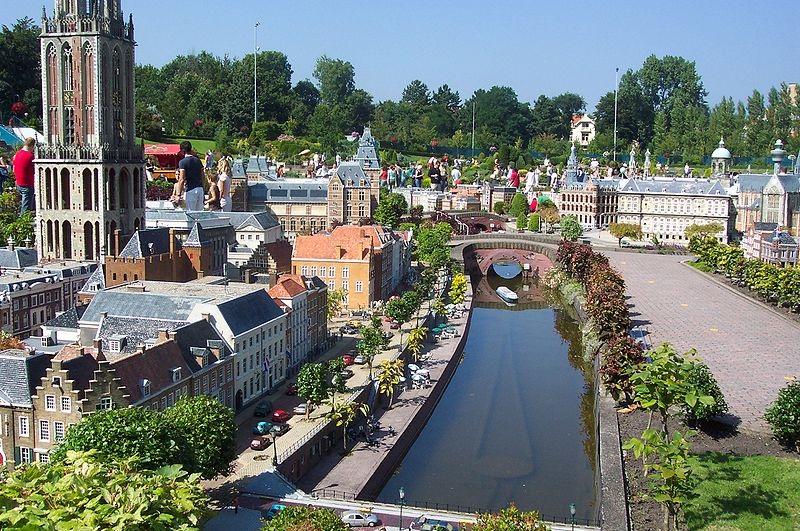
[19, 107]
[393, 139]
[434, 143]
[198, 123]
[244, 129]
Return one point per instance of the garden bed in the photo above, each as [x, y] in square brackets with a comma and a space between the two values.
[719, 438]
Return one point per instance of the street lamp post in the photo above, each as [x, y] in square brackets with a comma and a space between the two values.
[274, 449]
[616, 89]
[572, 515]
[402, 500]
[255, 72]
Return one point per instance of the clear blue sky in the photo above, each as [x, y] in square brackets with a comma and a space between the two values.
[535, 47]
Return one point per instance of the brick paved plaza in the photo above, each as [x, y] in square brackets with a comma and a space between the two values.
[750, 349]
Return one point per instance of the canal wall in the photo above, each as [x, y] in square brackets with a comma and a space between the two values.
[394, 456]
[611, 487]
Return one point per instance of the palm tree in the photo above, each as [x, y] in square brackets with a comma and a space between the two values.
[344, 414]
[389, 377]
[415, 339]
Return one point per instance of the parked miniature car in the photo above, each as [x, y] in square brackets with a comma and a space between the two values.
[263, 408]
[270, 513]
[347, 359]
[260, 442]
[281, 415]
[347, 329]
[352, 322]
[359, 519]
[347, 374]
[302, 409]
[262, 428]
[394, 325]
[388, 335]
[291, 389]
[280, 428]
[424, 523]
[360, 359]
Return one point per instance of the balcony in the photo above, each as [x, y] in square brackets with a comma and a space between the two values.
[92, 153]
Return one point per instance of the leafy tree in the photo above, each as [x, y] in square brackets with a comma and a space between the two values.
[20, 73]
[502, 116]
[87, 491]
[510, 519]
[7, 341]
[702, 230]
[389, 377]
[445, 97]
[519, 205]
[548, 213]
[390, 209]
[372, 340]
[401, 312]
[334, 375]
[499, 208]
[343, 414]
[431, 242]
[625, 230]
[335, 302]
[312, 384]
[208, 429]
[12, 225]
[415, 339]
[416, 94]
[570, 228]
[301, 518]
[673, 466]
[336, 80]
[663, 382]
[533, 222]
[125, 433]
[522, 221]
[458, 288]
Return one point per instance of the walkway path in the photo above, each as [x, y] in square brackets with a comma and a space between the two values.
[750, 349]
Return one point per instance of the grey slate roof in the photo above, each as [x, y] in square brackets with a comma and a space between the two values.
[252, 165]
[197, 237]
[18, 258]
[69, 318]
[202, 335]
[136, 331]
[367, 154]
[96, 281]
[294, 191]
[20, 373]
[752, 182]
[147, 242]
[148, 305]
[352, 171]
[238, 168]
[259, 220]
[675, 187]
[249, 311]
[784, 238]
[763, 226]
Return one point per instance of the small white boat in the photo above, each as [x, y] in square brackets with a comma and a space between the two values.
[506, 294]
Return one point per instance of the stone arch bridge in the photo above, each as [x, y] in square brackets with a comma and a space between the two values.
[479, 251]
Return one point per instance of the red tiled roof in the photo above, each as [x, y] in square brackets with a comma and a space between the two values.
[326, 247]
[350, 232]
[286, 288]
[155, 365]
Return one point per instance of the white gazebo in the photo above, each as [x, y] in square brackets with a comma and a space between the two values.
[721, 159]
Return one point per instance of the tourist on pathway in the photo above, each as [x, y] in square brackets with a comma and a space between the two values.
[213, 195]
[456, 176]
[435, 175]
[513, 177]
[24, 175]
[417, 182]
[190, 179]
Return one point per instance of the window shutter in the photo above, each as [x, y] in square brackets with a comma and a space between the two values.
[17, 455]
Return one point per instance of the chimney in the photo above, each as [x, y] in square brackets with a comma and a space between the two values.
[778, 154]
[362, 233]
[97, 343]
[163, 335]
[338, 251]
[206, 317]
[10, 243]
[103, 315]
[117, 234]
[172, 335]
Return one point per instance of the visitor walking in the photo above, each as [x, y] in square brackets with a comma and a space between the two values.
[3, 172]
[24, 175]
[212, 202]
[455, 174]
[417, 180]
[190, 179]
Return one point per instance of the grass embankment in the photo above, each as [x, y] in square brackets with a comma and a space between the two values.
[745, 493]
[701, 266]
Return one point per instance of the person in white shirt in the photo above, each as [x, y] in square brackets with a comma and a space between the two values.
[456, 175]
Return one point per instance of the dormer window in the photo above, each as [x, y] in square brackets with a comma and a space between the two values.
[145, 387]
[176, 374]
[116, 343]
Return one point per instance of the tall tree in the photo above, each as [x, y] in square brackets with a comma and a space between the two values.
[20, 70]
[416, 94]
[447, 98]
[499, 113]
[336, 80]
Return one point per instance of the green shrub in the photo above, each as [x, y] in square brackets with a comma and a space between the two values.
[522, 221]
[702, 381]
[621, 355]
[784, 414]
[519, 205]
[499, 208]
[534, 222]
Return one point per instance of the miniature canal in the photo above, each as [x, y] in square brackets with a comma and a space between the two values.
[516, 423]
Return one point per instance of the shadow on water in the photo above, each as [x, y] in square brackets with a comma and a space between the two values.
[516, 423]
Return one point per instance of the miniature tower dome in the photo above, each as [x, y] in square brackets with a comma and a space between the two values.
[721, 159]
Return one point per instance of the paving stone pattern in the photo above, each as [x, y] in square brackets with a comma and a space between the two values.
[750, 349]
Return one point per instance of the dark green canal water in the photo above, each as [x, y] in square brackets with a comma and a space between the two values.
[516, 423]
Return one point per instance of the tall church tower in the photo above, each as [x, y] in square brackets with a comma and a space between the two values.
[89, 171]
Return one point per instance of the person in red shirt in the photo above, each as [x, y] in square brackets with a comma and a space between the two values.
[23, 175]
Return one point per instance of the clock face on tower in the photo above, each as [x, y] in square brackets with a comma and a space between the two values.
[116, 99]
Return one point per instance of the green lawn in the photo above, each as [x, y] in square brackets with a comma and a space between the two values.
[700, 266]
[745, 493]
